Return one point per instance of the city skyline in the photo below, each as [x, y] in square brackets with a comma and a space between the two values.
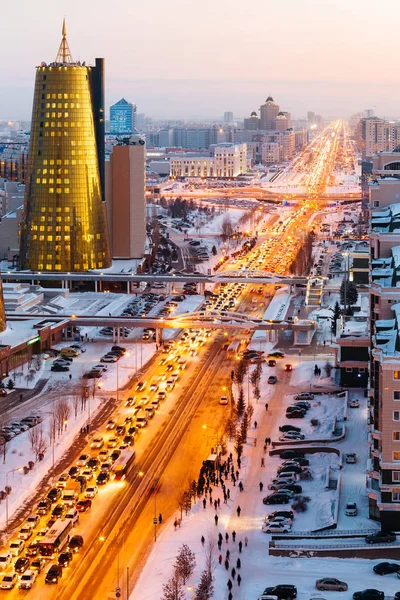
[205, 81]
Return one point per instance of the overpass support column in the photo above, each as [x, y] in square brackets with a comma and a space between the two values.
[202, 288]
[159, 337]
[95, 285]
[128, 287]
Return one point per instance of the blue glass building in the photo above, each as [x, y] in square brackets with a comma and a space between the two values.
[122, 117]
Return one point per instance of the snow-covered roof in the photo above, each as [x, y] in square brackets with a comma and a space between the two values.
[396, 255]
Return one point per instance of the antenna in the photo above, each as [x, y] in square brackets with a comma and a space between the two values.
[64, 53]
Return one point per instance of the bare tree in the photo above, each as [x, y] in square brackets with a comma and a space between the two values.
[226, 228]
[76, 399]
[205, 589]
[37, 440]
[37, 362]
[62, 412]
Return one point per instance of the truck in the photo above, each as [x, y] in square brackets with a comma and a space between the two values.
[70, 493]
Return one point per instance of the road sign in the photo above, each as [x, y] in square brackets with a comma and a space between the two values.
[155, 521]
[118, 592]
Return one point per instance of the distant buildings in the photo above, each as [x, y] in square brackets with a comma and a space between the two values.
[125, 196]
[228, 118]
[64, 226]
[226, 160]
[252, 123]
[268, 114]
[376, 135]
[123, 117]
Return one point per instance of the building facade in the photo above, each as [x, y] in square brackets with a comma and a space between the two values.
[227, 160]
[125, 198]
[123, 117]
[252, 123]
[377, 135]
[384, 386]
[268, 114]
[64, 226]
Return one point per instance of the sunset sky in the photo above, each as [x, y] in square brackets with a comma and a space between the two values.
[197, 59]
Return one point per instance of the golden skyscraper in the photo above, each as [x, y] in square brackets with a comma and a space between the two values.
[2, 313]
[65, 226]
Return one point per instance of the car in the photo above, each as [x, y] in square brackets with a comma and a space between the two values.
[161, 395]
[25, 532]
[83, 505]
[296, 488]
[370, 594]
[288, 368]
[277, 484]
[272, 379]
[8, 582]
[41, 533]
[54, 494]
[351, 458]
[105, 467]
[276, 527]
[111, 424]
[271, 362]
[276, 354]
[296, 414]
[91, 491]
[75, 543]
[59, 368]
[38, 564]
[73, 515]
[224, 400]
[93, 463]
[286, 514]
[114, 455]
[87, 474]
[120, 349]
[73, 472]
[97, 442]
[289, 469]
[111, 358]
[291, 454]
[17, 547]
[62, 480]
[53, 574]
[141, 386]
[302, 404]
[354, 403]
[27, 580]
[120, 430]
[21, 564]
[112, 442]
[276, 498]
[282, 592]
[381, 537]
[78, 347]
[5, 560]
[103, 478]
[351, 509]
[386, 568]
[292, 435]
[65, 558]
[304, 396]
[58, 511]
[32, 549]
[331, 584]
[286, 428]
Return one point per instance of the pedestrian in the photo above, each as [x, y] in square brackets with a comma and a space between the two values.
[228, 554]
[70, 376]
[246, 541]
[238, 510]
[255, 424]
[203, 539]
[225, 498]
[228, 493]
[175, 524]
[261, 485]
[238, 564]
[227, 537]
[237, 474]
[204, 503]
[226, 564]
[255, 441]
[239, 463]
[266, 441]
[265, 448]
[233, 572]
[241, 486]
[240, 546]
[160, 518]
[215, 504]
[220, 537]
[216, 519]
[239, 580]
[266, 406]
[229, 584]
[218, 502]
[263, 465]
[234, 535]
[219, 544]
[220, 559]
[230, 596]
[211, 500]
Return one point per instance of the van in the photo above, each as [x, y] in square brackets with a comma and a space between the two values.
[73, 515]
[72, 352]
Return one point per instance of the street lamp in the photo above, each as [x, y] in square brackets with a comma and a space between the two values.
[7, 474]
[216, 431]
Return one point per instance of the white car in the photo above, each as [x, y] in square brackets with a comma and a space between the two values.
[273, 527]
[73, 515]
[17, 547]
[5, 560]
[97, 443]
[282, 520]
[91, 491]
[224, 400]
[83, 460]
[8, 582]
[33, 520]
[110, 359]
[291, 435]
[25, 532]
[351, 458]
[27, 580]
[276, 484]
[351, 509]
[354, 403]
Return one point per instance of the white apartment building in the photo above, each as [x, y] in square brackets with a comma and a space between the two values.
[270, 153]
[226, 160]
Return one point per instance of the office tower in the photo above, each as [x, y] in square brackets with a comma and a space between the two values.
[228, 118]
[2, 313]
[252, 123]
[126, 204]
[268, 113]
[384, 386]
[64, 226]
[282, 122]
[311, 117]
[123, 117]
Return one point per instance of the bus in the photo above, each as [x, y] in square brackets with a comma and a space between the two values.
[56, 538]
[122, 464]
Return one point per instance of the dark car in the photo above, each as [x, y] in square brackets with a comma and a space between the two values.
[54, 494]
[276, 498]
[271, 363]
[44, 506]
[114, 455]
[53, 574]
[289, 469]
[120, 430]
[295, 414]
[73, 472]
[128, 439]
[304, 405]
[103, 478]
[276, 354]
[272, 379]
[38, 564]
[118, 349]
[283, 591]
[291, 454]
[82, 482]
[385, 568]
[381, 537]
[75, 543]
[59, 368]
[93, 464]
[286, 514]
[58, 511]
[330, 583]
[32, 549]
[21, 565]
[294, 487]
[64, 559]
[285, 428]
[370, 594]
[303, 462]
[83, 505]
[294, 407]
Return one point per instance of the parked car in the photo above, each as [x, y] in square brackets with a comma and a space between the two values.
[276, 498]
[304, 396]
[291, 454]
[282, 591]
[276, 527]
[295, 414]
[354, 403]
[287, 514]
[386, 568]
[351, 509]
[351, 458]
[332, 584]
[381, 537]
[286, 428]
[370, 594]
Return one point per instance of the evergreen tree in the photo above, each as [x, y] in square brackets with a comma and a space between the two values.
[205, 589]
[240, 405]
[351, 293]
[185, 563]
[336, 315]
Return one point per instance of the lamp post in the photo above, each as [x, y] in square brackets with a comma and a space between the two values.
[7, 474]
[216, 431]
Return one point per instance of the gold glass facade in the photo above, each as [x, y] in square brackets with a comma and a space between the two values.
[64, 227]
[2, 313]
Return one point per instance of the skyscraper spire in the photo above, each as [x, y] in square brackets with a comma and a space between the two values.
[64, 53]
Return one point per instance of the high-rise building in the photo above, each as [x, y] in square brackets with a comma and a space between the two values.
[268, 113]
[228, 118]
[2, 313]
[125, 194]
[252, 123]
[123, 117]
[64, 226]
